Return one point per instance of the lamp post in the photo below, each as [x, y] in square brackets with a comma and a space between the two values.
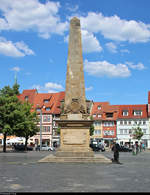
[40, 127]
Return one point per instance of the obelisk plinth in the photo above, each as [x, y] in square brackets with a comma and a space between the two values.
[75, 122]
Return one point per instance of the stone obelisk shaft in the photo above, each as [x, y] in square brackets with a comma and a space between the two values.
[75, 88]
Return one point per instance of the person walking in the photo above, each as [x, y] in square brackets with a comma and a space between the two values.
[137, 148]
[143, 146]
[115, 149]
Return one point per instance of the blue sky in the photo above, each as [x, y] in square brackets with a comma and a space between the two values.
[115, 39]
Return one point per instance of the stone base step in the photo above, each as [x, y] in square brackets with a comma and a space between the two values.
[99, 158]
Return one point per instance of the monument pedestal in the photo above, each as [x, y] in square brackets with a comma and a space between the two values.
[75, 138]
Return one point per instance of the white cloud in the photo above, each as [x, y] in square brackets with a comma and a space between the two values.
[104, 68]
[115, 28]
[16, 69]
[138, 66]
[24, 48]
[88, 88]
[111, 47]
[89, 42]
[71, 8]
[27, 15]
[18, 49]
[49, 87]
[125, 51]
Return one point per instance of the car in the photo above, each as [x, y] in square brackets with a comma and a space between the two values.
[97, 147]
[44, 148]
[22, 147]
[124, 149]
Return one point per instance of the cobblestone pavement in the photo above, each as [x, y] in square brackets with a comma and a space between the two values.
[21, 172]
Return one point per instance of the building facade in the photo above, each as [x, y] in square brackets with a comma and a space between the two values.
[111, 122]
[129, 118]
[104, 116]
[47, 106]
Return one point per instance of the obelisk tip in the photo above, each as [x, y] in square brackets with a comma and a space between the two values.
[75, 21]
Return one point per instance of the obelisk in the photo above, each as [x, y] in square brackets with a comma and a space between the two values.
[75, 122]
[75, 89]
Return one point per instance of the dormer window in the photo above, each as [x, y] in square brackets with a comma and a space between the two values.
[38, 109]
[137, 112]
[48, 109]
[125, 113]
[46, 100]
[26, 98]
[109, 115]
[99, 107]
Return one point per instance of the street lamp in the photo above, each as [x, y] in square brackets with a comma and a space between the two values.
[40, 126]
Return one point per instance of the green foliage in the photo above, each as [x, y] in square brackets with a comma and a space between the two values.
[16, 117]
[91, 130]
[9, 109]
[16, 88]
[9, 105]
[27, 121]
[137, 134]
[58, 131]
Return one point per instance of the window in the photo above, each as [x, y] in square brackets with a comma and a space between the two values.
[121, 122]
[99, 107]
[144, 122]
[125, 131]
[46, 118]
[108, 123]
[137, 112]
[125, 122]
[129, 122]
[144, 131]
[38, 109]
[46, 128]
[109, 132]
[97, 132]
[99, 115]
[112, 132]
[26, 98]
[125, 113]
[46, 100]
[109, 115]
[48, 109]
[94, 115]
[97, 123]
[135, 122]
[121, 131]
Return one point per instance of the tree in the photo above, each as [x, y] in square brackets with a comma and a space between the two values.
[26, 125]
[91, 130]
[16, 117]
[9, 107]
[137, 134]
[58, 131]
[91, 127]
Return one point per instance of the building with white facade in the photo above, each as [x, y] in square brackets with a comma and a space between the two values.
[129, 118]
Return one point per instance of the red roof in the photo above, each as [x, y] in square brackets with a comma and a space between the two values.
[105, 109]
[38, 100]
[131, 109]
